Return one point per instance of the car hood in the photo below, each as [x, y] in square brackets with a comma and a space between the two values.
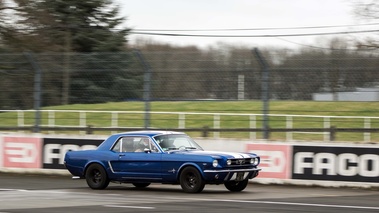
[229, 155]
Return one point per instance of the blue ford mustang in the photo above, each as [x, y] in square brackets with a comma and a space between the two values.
[145, 157]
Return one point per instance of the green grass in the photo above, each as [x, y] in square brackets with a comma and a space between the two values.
[165, 121]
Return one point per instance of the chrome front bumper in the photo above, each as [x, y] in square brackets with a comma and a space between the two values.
[232, 170]
[232, 174]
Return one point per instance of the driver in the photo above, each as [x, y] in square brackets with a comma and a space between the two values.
[143, 144]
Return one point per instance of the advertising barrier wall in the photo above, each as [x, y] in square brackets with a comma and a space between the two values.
[37, 152]
[318, 162]
[336, 163]
[279, 161]
[1, 152]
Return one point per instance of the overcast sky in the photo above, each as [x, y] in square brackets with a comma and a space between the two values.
[238, 14]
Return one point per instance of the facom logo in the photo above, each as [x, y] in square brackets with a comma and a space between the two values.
[58, 151]
[345, 164]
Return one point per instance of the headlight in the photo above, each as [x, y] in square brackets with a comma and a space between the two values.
[215, 163]
[229, 162]
[254, 161]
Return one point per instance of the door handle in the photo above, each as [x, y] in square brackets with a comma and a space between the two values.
[120, 155]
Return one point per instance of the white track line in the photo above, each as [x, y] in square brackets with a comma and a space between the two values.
[129, 207]
[292, 204]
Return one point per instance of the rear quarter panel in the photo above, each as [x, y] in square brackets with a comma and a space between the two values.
[77, 161]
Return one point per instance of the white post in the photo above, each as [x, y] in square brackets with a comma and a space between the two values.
[82, 121]
[114, 121]
[216, 125]
[327, 125]
[182, 121]
[253, 125]
[20, 119]
[289, 125]
[51, 121]
[367, 135]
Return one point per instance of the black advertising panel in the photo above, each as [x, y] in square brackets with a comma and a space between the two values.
[54, 150]
[335, 163]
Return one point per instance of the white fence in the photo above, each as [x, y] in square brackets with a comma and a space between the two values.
[80, 120]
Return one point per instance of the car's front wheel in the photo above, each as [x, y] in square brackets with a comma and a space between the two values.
[191, 180]
[96, 177]
[236, 186]
[141, 185]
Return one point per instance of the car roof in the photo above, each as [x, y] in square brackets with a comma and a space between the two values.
[150, 133]
[108, 143]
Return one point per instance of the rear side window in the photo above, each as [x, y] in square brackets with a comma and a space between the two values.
[134, 144]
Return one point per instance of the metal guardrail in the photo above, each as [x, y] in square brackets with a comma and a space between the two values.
[204, 130]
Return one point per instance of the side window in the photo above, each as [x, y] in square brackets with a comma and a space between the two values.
[153, 148]
[128, 145]
[134, 144]
[125, 144]
[145, 143]
[116, 147]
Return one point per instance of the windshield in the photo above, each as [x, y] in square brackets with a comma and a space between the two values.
[176, 142]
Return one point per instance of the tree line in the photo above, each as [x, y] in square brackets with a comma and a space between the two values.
[82, 49]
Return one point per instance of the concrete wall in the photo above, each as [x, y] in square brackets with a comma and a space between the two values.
[362, 94]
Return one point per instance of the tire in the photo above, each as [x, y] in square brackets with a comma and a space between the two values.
[141, 185]
[191, 180]
[96, 177]
[236, 186]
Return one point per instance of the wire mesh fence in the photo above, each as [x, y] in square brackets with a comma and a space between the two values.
[76, 78]
[36, 80]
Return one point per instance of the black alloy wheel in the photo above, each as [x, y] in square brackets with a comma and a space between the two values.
[96, 177]
[191, 180]
[236, 186]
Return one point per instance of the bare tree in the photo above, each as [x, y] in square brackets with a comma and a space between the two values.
[367, 10]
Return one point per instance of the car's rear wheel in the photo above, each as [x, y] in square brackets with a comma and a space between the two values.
[236, 186]
[96, 177]
[141, 185]
[191, 180]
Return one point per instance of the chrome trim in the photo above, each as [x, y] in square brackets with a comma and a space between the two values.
[110, 166]
[76, 177]
[233, 170]
[227, 176]
[245, 175]
[233, 177]
[143, 178]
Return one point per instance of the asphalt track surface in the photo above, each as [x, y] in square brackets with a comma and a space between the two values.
[47, 193]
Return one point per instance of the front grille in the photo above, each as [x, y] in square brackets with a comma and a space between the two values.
[240, 161]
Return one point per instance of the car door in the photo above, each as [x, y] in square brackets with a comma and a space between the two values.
[132, 165]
